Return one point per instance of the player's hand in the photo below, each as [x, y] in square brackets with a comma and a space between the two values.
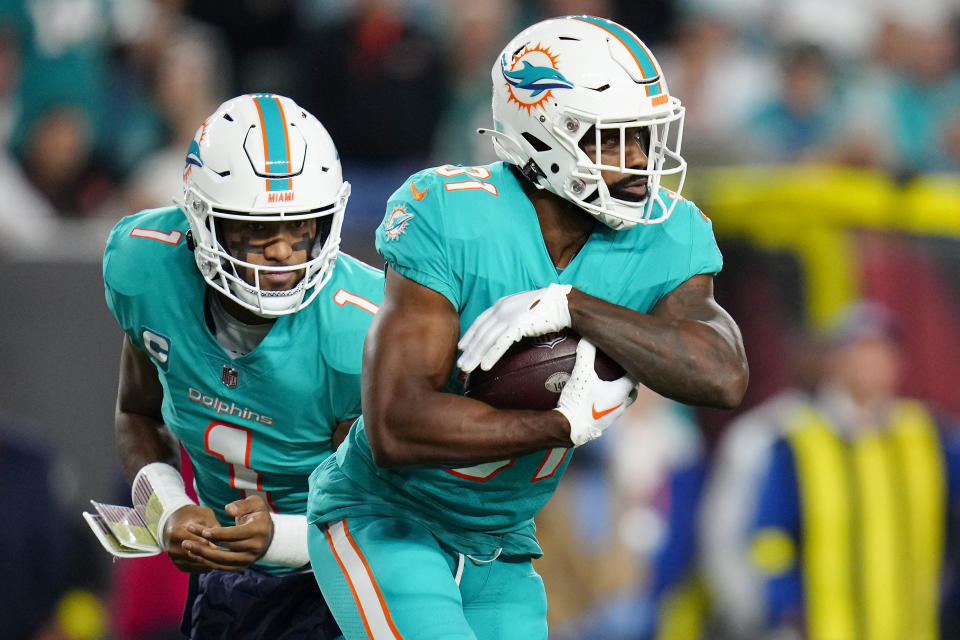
[180, 533]
[234, 548]
[590, 404]
[528, 313]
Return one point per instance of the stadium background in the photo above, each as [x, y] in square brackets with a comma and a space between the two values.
[823, 137]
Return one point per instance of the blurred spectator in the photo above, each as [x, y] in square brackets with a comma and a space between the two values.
[182, 100]
[843, 30]
[11, 61]
[261, 37]
[737, 468]
[721, 77]
[553, 8]
[36, 546]
[139, 107]
[851, 520]
[654, 21]
[478, 32]
[25, 216]
[61, 163]
[902, 114]
[65, 47]
[376, 73]
[798, 122]
[377, 80]
[618, 535]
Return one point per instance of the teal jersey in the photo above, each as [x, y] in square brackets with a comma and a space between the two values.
[471, 234]
[259, 423]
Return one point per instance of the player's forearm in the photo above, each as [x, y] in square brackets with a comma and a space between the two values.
[141, 440]
[434, 428]
[695, 361]
[140, 433]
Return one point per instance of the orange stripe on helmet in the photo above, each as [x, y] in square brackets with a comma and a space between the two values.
[650, 57]
[266, 149]
[286, 133]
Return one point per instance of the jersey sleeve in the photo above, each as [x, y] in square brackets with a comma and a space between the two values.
[411, 237]
[118, 265]
[686, 242]
[351, 299]
[705, 257]
[141, 250]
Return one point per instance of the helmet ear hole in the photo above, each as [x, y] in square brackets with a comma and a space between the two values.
[536, 142]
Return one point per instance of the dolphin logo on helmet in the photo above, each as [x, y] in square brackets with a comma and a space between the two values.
[533, 78]
[193, 155]
[193, 159]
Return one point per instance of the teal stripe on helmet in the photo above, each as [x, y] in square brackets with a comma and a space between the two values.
[630, 41]
[274, 139]
[279, 184]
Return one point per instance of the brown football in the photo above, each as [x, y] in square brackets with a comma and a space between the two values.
[532, 372]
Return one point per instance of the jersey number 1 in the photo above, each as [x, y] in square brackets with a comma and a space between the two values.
[232, 444]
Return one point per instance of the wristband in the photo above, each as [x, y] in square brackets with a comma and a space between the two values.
[159, 490]
[288, 548]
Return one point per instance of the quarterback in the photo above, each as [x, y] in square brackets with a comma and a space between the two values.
[244, 328]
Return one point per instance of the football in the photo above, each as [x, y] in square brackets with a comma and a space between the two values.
[532, 372]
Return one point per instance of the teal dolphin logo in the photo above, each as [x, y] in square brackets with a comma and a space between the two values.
[193, 155]
[397, 222]
[533, 78]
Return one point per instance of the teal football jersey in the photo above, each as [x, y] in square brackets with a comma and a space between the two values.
[259, 423]
[471, 234]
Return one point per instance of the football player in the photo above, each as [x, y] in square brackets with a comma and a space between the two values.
[244, 327]
[423, 523]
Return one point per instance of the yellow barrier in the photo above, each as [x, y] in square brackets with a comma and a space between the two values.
[811, 210]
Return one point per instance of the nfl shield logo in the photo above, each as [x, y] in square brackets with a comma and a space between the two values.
[229, 376]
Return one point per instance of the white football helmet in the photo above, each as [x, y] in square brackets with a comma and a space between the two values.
[261, 157]
[564, 77]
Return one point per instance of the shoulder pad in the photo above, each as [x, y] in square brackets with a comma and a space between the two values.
[140, 244]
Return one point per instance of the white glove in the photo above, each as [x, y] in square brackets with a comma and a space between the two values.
[589, 403]
[528, 313]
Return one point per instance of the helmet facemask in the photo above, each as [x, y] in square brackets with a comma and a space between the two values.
[585, 185]
[222, 270]
[261, 158]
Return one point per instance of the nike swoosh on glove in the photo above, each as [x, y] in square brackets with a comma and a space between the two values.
[528, 313]
[590, 404]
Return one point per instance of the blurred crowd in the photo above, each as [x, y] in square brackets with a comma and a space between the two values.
[656, 533]
[98, 98]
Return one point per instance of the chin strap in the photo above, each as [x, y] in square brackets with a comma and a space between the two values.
[533, 173]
